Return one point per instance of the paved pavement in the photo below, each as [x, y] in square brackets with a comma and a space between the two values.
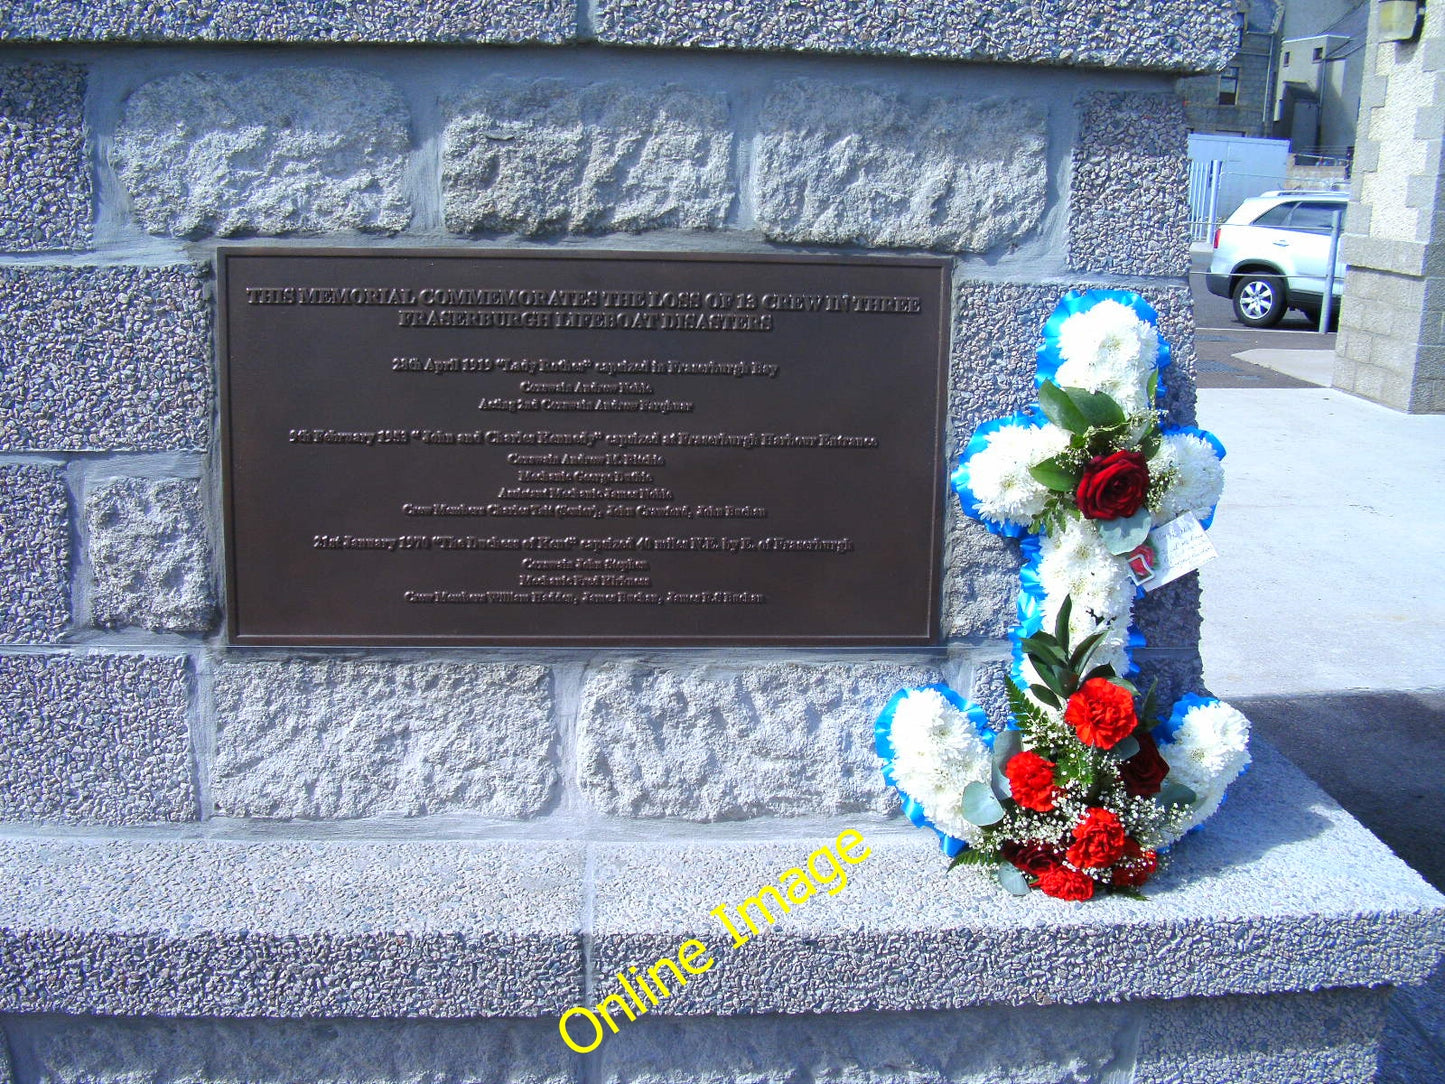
[1324, 614]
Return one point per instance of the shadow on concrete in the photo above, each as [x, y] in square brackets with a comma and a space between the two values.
[1381, 755]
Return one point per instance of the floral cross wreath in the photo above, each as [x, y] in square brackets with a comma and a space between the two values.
[1086, 786]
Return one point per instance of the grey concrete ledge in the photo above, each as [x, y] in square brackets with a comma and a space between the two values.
[207, 928]
[399, 21]
[1160, 35]
[1282, 892]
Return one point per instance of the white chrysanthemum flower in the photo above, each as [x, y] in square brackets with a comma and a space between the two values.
[1209, 750]
[1109, 349]
[937, 752]
[1076, 564]
[999, 474]
[1199, 476]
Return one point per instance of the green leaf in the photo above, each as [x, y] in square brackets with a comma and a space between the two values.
[1125, 684]
[1054, 474]
[980, 806]
[1029, 716]
[1085, 649]
[1176, 794]
[1146, 709]
[1013, 880]
[1060, 409]
[1103, 670]
[1149, 445]
[1130, 893]
[1061, 622]
[1126, 748]
[1046, 696]
[1098, 409]
[1153, 385]
[1045, 647]
[1053, 681]
[1122, 535]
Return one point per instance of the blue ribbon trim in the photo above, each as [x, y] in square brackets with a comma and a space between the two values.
[883, 743]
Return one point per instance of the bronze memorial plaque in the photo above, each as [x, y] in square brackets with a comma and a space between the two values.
[543, 447]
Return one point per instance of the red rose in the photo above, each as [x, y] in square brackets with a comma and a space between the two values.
[1031, 779]
[1144, 772]
[1066, 884]
[1101, 713]
[1135, 867]
[1034, 857]
[1098, 840]
[1113, 486]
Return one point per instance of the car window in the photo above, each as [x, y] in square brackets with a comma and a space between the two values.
[1315, 217]
[1275, 216]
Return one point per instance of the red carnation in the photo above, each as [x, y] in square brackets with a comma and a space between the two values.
[1135, 867]
[1098, 840]
[1144, 772]
[1034, 857]
[1066, 884]
[1113, 486]
[1101, 713]
[1031, 780]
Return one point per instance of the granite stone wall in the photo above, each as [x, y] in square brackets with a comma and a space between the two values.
[203, 838]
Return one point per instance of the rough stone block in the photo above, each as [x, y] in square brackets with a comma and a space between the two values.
[1023, 1046]
[399, 21]
[69, 1050]
[150, 559]
[552, 157]
[980, 580]
[1174, 35]
[1169, 616]
[1177, 672]
[282, 151]
[34, 554]
[1320, 1038]
[342, 738]
[713, 743]
[95, 739]
[839, 163]
[1281, 892]
[232, 928]
[46, 199]
[1128, 207]
[989, 690]
[104, 359]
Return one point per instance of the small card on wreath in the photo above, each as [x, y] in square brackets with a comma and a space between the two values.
[1173, 550]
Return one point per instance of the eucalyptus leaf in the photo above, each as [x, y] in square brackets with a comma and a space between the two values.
[1126, 748]
[1013, 880]
[1060, 409]
[1098, 409]
[1007, 744]
[980, 806]
[1174, 794]
[1153, 385]
[1052, 474]
[1122, 535]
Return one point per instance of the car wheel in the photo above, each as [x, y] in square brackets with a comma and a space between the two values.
[1259, 300]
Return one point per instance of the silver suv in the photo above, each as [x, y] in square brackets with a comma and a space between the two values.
[1270, 255]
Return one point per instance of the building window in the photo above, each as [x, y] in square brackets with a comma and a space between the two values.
[1229, 85]
[1319, 54]
[1286, 58]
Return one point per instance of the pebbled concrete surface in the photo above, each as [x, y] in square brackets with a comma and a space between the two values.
[46, 202]
[34, 554]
